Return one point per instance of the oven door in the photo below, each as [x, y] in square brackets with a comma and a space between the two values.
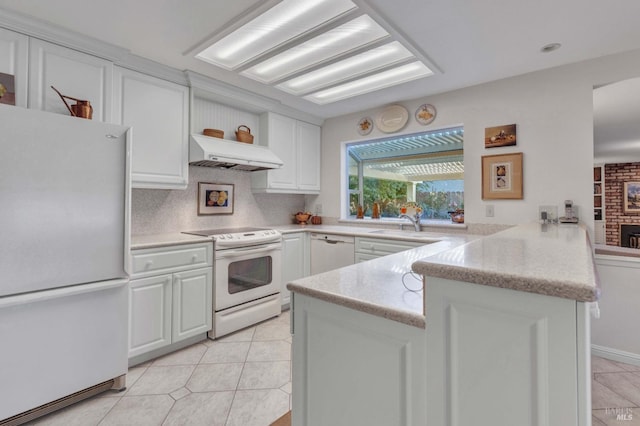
[244, 274]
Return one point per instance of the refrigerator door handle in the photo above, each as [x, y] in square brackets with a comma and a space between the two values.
[45, 295]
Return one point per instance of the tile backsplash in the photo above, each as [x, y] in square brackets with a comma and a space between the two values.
[164, 211]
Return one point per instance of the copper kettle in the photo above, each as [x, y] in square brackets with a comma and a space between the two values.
[81, 108]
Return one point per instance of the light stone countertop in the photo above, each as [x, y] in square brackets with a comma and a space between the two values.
[360, 231]
[375, 286]
[628, 252]
[554, 260]
[139, 242]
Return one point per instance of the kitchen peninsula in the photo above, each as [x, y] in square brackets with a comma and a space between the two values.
[505, 339]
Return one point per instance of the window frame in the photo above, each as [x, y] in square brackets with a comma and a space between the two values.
[345, 155]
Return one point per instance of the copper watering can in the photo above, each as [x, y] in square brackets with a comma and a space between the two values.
[81, 108]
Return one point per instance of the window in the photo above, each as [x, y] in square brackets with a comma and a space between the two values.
[425, 168]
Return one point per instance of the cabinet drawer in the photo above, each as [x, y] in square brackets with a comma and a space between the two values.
[171, 259]
[382, 247]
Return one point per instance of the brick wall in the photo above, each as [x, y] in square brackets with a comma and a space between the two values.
[615, 175]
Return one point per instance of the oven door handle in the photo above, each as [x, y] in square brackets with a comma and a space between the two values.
[247, 250]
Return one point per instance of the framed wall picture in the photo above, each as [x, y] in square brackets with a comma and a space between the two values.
[500, 136]
[7, 89]
[631, 197]
[502, 177]
[215, 198]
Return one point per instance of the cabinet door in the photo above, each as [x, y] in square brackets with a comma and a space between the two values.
[498, 350]
[14, 48]
[281, 140]
[158, 111]
[308, 147]
[295, 261]
[149, 314]
[192, 303]
[74, 74]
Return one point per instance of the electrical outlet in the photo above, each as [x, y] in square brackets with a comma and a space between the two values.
[548, 214]
[489, 210]
[318, 209]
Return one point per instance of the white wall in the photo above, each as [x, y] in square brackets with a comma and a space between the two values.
[615, 334]
[553, 111]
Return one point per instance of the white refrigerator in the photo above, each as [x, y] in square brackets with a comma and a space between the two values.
[64, 239]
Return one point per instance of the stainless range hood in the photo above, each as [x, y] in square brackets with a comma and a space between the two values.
[213, 152]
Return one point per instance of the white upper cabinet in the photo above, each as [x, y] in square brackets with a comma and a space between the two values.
[298, 145]
[74, 74]
[14, 49]
[308, 144]
[158, 112]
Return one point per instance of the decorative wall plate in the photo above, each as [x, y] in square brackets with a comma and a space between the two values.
[392, 118]
[425, 114]
[365, 126]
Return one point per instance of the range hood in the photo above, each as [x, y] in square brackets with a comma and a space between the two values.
[214, 152]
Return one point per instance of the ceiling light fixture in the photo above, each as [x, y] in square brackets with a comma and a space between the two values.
[347, 37]
[352, 67]
[322, 50]
[378, 81]
[283, 22]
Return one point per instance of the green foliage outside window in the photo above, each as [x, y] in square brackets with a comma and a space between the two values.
[391, 195]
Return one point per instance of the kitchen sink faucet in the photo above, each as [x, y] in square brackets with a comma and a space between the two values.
[415, 220]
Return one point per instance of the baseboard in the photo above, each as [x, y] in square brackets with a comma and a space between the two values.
[615, 355]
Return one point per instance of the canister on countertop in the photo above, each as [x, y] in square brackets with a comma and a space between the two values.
[375, 213]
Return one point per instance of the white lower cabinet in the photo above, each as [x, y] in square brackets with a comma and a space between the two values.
[356, 369]
[503, 357]
[192, 312]
[295, 260]
[372, 248]
[149, 314]
[170, 298]
[488, 357]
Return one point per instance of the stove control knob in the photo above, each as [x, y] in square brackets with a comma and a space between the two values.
[229, 236]
[222, 237]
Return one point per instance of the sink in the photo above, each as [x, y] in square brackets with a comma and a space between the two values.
[406, 234]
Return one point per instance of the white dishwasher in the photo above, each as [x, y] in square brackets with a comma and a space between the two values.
[330, 252]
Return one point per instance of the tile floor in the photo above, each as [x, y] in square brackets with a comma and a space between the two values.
[615, 393]
[244, 379]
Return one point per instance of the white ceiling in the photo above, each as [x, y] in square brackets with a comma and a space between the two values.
[470, 41]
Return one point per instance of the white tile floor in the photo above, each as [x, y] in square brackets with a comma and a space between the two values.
[615, 389]
[243, 379]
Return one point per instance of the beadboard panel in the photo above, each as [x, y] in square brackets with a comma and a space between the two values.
[210, 115]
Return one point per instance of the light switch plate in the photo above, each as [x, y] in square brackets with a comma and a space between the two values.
[489, 210]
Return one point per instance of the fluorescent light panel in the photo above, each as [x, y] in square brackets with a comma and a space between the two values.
[289, 21]
[346, 69]
[351, 35]
[391, 77]
[283, 22]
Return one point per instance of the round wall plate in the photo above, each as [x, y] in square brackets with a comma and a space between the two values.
[425, 114]
[365, 126]
[392, 118]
